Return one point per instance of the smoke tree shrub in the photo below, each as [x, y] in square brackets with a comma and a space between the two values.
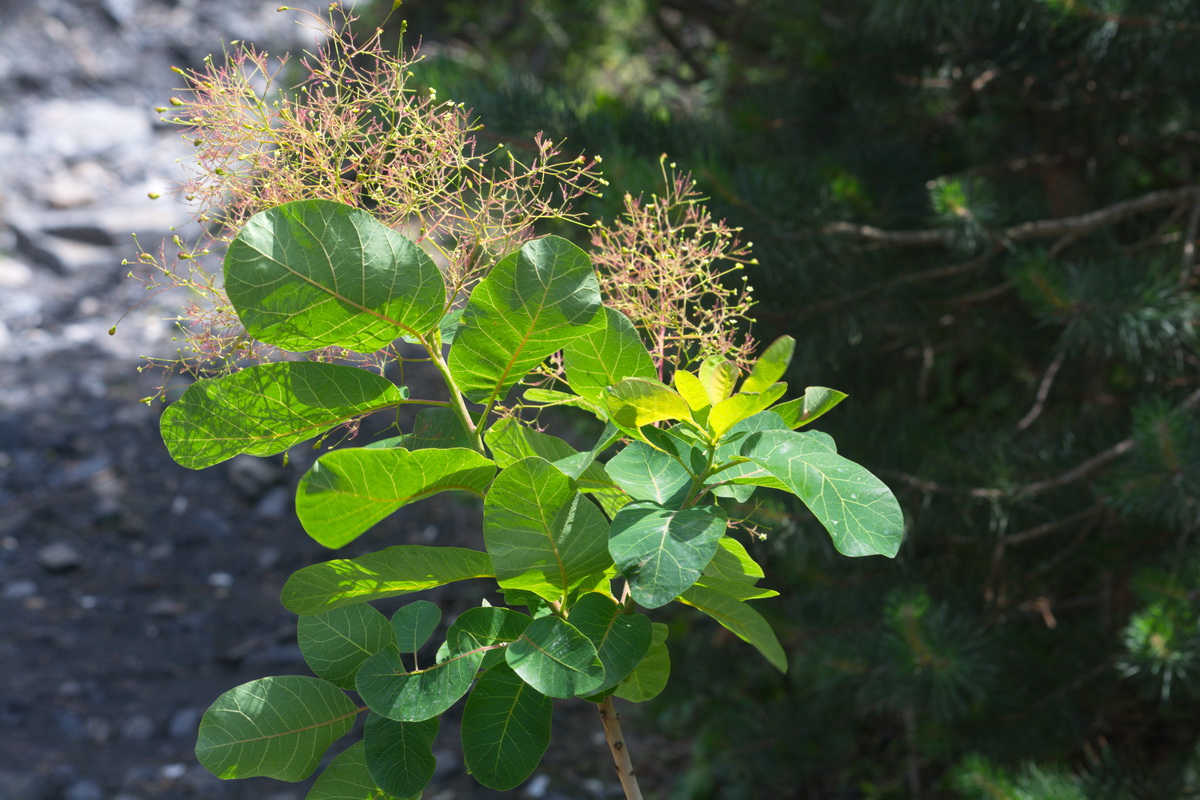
[320, 291]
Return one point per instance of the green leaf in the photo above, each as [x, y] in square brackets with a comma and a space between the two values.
[649, 474]
[276, 727]
[739, 618]
[741, 478]
[859, 511]
[399, 755]
[552, 656]
[552, 397]
[411, 696]
[505, 729]
[347, 778]
[621, 639]
[528, 306]
[337, 642]
[635, 402]
[650, 676]
[314, 273]
[606, 356]
[542, 534]
[732, 563]
[393, 571]
[414, 624]
[803, 410]
[718, 377]
[662, 551]
[771, 365]
[490, 625]
[265, 409]
[347, 491]
[437, 427]
[738, 590]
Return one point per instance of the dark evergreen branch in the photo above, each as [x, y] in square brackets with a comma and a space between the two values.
[1035, 229]
[1046, 528]
[1081, 471]
[1189, 241]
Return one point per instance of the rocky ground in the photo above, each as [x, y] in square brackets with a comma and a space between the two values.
[133, 591]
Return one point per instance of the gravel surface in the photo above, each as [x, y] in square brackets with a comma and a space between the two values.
[132, 591]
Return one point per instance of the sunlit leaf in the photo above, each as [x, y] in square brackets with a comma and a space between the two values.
[337, 642]
[662, 551]
[552, 656]
[314, 273]
[736, 616]
[405, 695]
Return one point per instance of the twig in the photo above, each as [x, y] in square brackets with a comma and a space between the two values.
[1043, 391]
[1038, 531]
[620, 753]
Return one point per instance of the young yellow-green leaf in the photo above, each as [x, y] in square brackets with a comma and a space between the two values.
[404, 695]
[347, 491]
[651, 674]
[552, 656]
[276, 727]
[399, 755]
[662, 551]
[265, 409]
[542, 534]
[718, 377]
[505, 729]
[731, 562]
[803, 410]
[393, 571]
[738, 590]
[739, 618]
[551, 397]
[528, 306]
[691, 389]
[649, 474]
[315, 273]
[337, 642]
[606, 356]
[859, 511]
[621, 639]
[733, 410]
[347, 778]
[771, 365]
[635, 402]
[510, 441]
[414, 624]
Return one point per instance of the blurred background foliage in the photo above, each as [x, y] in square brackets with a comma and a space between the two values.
[979, 218]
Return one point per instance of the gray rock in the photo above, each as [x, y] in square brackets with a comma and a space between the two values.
[84, 789]
[19, 589]
[184, 723]
[138, 728]
[59, 557]
[252, 476]
[275, 504]
[75, 129]
[18, 785]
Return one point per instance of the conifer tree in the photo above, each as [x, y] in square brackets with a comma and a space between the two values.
[981, 218]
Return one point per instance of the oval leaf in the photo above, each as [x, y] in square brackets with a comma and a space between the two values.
[265, 409]
[621, 639]
[859, 511]
[527, 307]
[490, 625]
[393, 571]
[635, 402]
[276, 727]
[553, 657]
[649, 474]
[347, 778]
[414, 624]
[505, 729]
[542, 534]
[390, 689]
[399, 755]
[315, 273]
[662, 551]
[771, 365]
[606, 356]
[347, 491]
[650, 676]
[746, 623]
[336, 643]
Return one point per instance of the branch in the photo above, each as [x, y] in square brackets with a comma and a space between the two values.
[1077, 473]
[1043, 391]
[1025, 231]
[620, 753]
